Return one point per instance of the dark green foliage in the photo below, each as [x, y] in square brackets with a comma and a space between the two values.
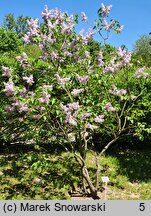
[9, 41]
[93, 47]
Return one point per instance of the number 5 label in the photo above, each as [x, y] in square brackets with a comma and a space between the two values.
[142, 206]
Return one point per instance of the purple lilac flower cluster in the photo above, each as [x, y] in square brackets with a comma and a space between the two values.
[69, 110]
[23, 108]
[100, 58]
[109, 26]
[23, 59]
[105, 10]
[117, 92]
[84, 17]
[85, 115]
[9, 88]
[140, 73]
[82, 79]
[16, 105]
[56, 19]
[126, 57]
[76, 92]
[47, 86]
[88, 36]
[62, 81]
[45, 98]
[109, 107]
[6, 71]
[99, 119]
[46, 14]
[29, 79]
[33, 30]
[123, 59]
[91, 127]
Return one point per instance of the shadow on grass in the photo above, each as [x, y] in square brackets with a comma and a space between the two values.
[47, 173]
[136, 165]
[44, 174]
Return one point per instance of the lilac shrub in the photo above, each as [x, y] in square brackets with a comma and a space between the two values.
[73, 96]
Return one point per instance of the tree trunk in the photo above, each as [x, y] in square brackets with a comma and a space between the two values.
[82, 141]
[93, 190]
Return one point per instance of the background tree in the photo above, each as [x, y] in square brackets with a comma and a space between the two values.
[13, 29]
[19, 25]
[142, 49]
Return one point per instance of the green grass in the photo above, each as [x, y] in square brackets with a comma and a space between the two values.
[33, 174]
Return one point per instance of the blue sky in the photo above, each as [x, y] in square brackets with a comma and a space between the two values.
[135, 15]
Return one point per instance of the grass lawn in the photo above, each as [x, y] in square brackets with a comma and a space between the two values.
[43, 174]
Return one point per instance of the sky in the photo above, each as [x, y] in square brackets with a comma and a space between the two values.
[135, 15]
